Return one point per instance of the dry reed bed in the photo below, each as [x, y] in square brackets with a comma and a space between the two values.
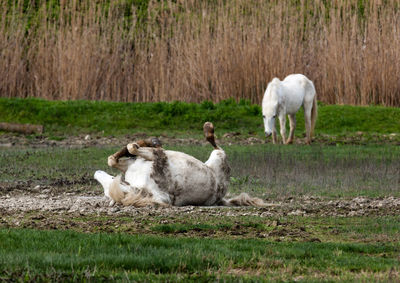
[201, 50]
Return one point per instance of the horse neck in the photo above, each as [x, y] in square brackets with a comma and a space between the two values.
[274, 92]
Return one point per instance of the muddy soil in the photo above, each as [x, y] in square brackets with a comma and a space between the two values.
[16, 140]
[88, 211]
[84, 202]
[57, 206]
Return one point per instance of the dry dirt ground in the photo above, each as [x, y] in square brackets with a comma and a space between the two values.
[10, 140]
[58, 207]
[88, 211]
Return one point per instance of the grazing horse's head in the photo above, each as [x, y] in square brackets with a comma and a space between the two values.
[270, 106]
[269, 123]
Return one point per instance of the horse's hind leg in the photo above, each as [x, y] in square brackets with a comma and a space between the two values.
[114, 160]
[292, 120]
[150, 142]
[208, 129]
[282, 122]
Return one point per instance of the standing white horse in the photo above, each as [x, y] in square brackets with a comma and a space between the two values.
[285, 97]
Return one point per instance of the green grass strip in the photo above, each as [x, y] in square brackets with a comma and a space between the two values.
[119, 255]
[114, 118]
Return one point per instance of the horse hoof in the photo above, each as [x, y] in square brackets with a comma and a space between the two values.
[208, 129]
[156, 142]
[132, 148]
[112, 161]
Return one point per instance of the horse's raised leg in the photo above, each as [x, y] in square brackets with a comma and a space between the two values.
[115, 162]
[208, 129]
[292, 120]
[307, 119]
[282, 123]
[150, 142]
[144, 152]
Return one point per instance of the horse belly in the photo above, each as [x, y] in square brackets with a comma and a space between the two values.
[138, 173]
[193, 183]
[139, 176]
[293, 106]
[294, 96]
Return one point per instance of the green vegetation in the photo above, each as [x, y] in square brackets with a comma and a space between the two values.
[179, 118]
[262, 170]
[71, 117]
[204, 244]
[32, 255]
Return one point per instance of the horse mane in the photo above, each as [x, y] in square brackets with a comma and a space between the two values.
[273, 84]
[271, 91]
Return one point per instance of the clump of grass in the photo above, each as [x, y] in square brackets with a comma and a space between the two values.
[183, 228]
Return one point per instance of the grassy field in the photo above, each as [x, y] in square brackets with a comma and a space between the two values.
[159, 245]
[61, 118]
[264, 170]
[32, 255]
[332, 215]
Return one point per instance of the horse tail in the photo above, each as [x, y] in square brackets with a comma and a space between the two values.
[314, 114]
[243, 200]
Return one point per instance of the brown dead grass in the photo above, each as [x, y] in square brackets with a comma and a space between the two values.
[203, 50]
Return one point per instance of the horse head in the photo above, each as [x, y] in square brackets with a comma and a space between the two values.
[270, 104]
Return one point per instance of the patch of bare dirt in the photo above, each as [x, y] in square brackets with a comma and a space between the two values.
[52, 199]
[89, 211]
[51, 207]
[12, 140]
[85, 203]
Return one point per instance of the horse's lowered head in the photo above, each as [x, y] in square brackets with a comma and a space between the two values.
[270, 107]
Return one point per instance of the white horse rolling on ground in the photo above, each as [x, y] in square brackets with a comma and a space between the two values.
[285, 97]
[154, 176]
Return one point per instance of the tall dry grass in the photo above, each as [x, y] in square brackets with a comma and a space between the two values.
[201, 50]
